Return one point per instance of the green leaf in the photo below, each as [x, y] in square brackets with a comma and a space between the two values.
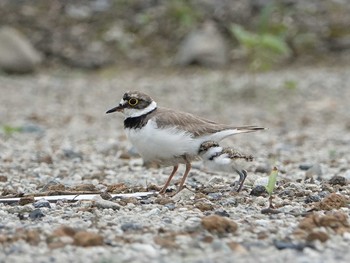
[245, 38]
[275, 44]
[272, 181]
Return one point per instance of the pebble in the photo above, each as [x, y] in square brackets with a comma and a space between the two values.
[258, 190]
[130, 231]
[36, 214]
[99, 202]
[42, 203]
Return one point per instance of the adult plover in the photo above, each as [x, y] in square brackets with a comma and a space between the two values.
[225, 159]
[166, 136]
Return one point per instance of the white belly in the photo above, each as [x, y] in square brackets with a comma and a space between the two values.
[163, 145]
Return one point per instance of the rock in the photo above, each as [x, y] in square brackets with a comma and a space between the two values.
[305, 166]
[338, 180]
[64, 231]
[3, 178]
[312, 199]
[17, 55]
[84, 188]
[337, 221]
[42, 203]
[259, 190]
[36, 214]
[332, 201]
[218, 224]
[184, 195]
[204, 206]
[26, 200]
[317, 235]
[204, 46]
[104, 204]
[87, 239]
[130, 226]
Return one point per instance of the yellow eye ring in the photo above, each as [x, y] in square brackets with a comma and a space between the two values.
[133, 101]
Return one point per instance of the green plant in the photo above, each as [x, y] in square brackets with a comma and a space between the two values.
[271, 186]
[267, 46]
[272, 181]
[183, 13]
[9, 130]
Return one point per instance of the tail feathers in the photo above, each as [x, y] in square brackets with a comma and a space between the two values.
[218, 136]
[245, 129]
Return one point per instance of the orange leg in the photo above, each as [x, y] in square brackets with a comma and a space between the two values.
[162, 191]
[188, 168]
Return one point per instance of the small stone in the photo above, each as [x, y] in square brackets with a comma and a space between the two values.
[317, 235]
[3, 178]
[332, 201]
[305, 166]
[222, 213]
[259, 190]
[214, 196]
[42, 203]
[170, 206]
[218, 224]
[290, 245]
[64, 231]
[87, 239]
[26, 200]
[36, 214]
[131, 227]
[204, 206]
[163, 200]
[338, 180]
[104, 204]
[85, 188]
[71, 154]
[7, 191]
[106, 196]
[184, 195]
[312, 199]
[216, 181]
[53, 185]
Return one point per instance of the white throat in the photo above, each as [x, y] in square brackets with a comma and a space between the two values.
[132, 113]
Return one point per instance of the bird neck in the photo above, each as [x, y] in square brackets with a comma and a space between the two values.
[137, 122]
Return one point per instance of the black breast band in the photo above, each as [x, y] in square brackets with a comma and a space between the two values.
[137, 122]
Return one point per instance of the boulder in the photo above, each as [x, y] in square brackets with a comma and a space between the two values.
[17, 55]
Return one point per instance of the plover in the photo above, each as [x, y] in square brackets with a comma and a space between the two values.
[169, 137]
[225, 159]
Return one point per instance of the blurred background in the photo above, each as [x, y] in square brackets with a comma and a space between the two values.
[282, 64]
[91, 34]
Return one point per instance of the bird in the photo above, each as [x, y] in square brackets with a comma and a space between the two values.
[169, 137]
[224, 159]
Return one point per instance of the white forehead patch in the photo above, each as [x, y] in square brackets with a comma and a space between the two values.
[122, 101]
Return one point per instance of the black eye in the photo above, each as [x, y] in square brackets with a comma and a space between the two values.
[133, 101]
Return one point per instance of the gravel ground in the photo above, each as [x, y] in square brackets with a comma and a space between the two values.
[56, 138]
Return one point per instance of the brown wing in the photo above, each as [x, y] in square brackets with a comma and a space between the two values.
[196, 125]
[233, 154]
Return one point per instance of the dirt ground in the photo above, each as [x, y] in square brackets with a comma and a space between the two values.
[55, 136]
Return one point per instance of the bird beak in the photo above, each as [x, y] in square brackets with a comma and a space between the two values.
[119, 108]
